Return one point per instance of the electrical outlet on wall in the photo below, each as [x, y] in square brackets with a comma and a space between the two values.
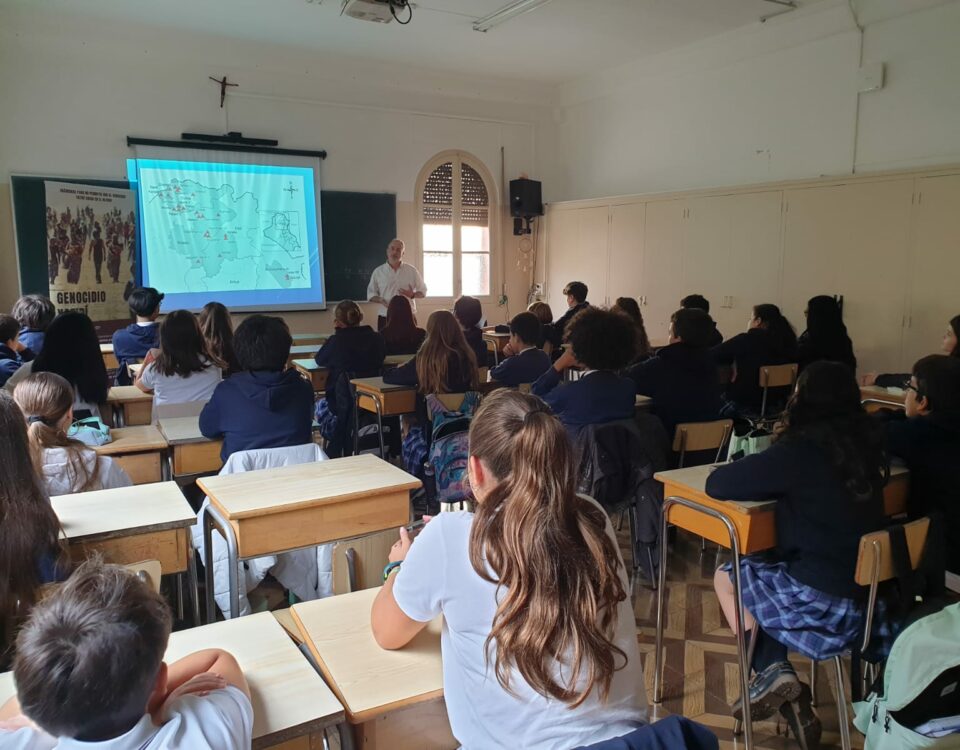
[538, 289]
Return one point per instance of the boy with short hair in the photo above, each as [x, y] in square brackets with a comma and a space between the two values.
[928, 441]
[264, 405]
[34, 312]
[699, 302]
[90, 673]
[529, 362]
[133, 342]
[576, 293]
[12, 351]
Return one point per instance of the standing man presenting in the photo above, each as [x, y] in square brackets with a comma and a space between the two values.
[392, 278]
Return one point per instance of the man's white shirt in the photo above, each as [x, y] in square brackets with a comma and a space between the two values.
[387, 283]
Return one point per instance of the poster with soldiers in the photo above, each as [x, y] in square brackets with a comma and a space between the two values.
[91, 248]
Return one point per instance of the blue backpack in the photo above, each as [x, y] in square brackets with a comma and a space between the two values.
[449, 446]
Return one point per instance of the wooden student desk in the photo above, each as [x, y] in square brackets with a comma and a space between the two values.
[290, 699]
[313, 373]
[316, 340]
[393, 699]
[395, 360]
[278, 510]
[499, 340]
[109, 358]
[139, 452]
[383, 400]
[131, 524]
[743, 526]
[874, 397]
[300, 351]
[642, 403]
[190, 452]
[131, 406]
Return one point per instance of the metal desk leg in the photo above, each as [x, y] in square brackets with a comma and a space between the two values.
[738, 611]
[356, 422]
[206, 524]
[213, 520]
[166, 465]
[194, 583]
[376, 402]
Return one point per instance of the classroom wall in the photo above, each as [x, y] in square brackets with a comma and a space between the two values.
[769, 102]
[72, 90]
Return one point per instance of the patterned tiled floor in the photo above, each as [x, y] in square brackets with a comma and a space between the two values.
[701, 676]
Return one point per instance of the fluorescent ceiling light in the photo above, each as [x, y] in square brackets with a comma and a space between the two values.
[506, 13]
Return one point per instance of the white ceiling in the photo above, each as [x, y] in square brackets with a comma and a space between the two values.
[556, 42]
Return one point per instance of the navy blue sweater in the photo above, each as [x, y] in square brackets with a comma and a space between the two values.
[133, 343]
[597, 398]
[263, 409]
[818, 522]
[10, 361]
[359, 350]
[749, 352]
[561, 324]
[683, 384]
[524, 367]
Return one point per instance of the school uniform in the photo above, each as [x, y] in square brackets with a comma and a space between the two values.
[32, 339]
[748, 352]
[561, 323]
[716, 338]
[683, 384]
[802, 593]
[133, 343]
[476, 342]
[525, 367]
[221, 719]
[408, 343]
[259, 409]
[597, 397]
[930, 446]
[11, 361]
[810, 351]
[359, 350]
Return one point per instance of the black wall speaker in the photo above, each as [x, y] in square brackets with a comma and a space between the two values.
[525, 198]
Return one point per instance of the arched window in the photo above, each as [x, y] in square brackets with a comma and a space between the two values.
[457, 204]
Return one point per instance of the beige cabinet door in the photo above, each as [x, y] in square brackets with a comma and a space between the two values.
[594, 233]
[872, 268]
[755, 258]
[626, 250]
[662, 284]
[934, 267]
[814, 244]
[577, 241]
[706, 252]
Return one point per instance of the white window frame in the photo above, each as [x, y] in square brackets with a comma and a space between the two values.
[493, 213]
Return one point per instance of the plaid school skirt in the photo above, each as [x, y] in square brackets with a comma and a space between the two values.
[811, 622]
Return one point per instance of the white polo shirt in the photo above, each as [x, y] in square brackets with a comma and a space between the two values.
[387, 283]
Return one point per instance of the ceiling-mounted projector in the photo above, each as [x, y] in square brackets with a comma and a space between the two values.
[378, 11]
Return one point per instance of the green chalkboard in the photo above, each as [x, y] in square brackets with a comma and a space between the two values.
[357, 227]
[30, 219]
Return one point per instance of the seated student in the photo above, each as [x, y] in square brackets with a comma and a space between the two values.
[217, 329]
[699, 302]
[508, 635]
[681, 379]
[355, 349]
[927, 438]
[35, 313]
[444, 364]
[133, 342]
[30, 550]
[401, 335]
[548, 331]
[950, 346]
[769, 340]
[826, 335]
[66, 465]
[469, 313]
[180, 371]
[90, 673]
[576, 292]
[826, 470]
[71, 349]
[602, 343]
[528, 363]
[628, 306]
[264, 405]
[13, 353]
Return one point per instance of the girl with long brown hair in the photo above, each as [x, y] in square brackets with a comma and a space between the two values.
[539, 641]
[66, 465]
[30, 549]
[401, 334]
[443, 364]
[217, 329]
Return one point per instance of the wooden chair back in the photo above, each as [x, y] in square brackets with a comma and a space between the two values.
[702, 436]
[776, 376]
[493, 350]
[875, 552]
[358, 563]
[548, 347]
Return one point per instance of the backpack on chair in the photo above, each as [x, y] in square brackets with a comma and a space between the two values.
[449, 447]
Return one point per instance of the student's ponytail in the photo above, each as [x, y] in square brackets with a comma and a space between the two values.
[548, 550]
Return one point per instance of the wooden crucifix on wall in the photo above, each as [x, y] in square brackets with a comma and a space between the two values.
[223, 87]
